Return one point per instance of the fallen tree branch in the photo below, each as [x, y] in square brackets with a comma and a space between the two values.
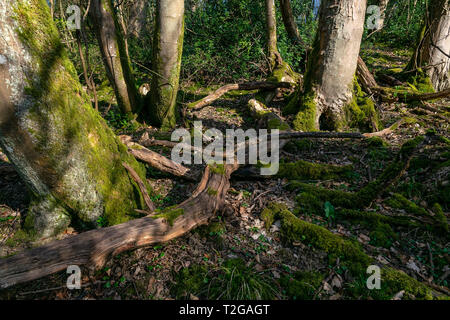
[160, 162]
[141, 186]
[411, 97]
[237, 86]
[386, 131]
[96, 246]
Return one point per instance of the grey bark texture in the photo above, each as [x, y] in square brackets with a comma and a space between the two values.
[114, 53]
[332, 65]
[166, 64]
[61, 147]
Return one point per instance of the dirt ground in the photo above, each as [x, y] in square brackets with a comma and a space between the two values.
[239, 233]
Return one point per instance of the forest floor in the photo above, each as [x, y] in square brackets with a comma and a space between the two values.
[235, 256]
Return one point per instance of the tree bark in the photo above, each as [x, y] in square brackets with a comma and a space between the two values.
[271, 25]
[60, 146]
[166, 64]
[115, 58]
[383, 6]
[96, 246]
[365, 78]
[289, 21]
[433, 47]
[332, 65]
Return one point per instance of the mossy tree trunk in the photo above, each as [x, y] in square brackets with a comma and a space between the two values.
[433, 47]
[60, 146]
[280, 70]
[114, 53]
[166, 64]
[332, 65]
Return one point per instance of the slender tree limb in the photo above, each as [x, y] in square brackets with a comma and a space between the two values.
[237, 86]
[141, 186]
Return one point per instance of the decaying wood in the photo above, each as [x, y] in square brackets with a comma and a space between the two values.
[96, 246]
[141, 186]
[237, 86]
[160, 162]
[365, 79]
[385, 131]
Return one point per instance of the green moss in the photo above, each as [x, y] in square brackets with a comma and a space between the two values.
[360, 112]
[304, 170]
[421, 82]
[212, 192]
[302, 285]
[382, 236]
[440, 216]
[400, 202]
[295, 230]
[365, 196]
[276, 123]
[76, 127]
[394, 281]
[169, 214]
[305, 120]
[376, 142]
[217, 168]
[269, 213]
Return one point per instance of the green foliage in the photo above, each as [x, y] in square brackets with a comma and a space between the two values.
[233, 280]
[301, 285]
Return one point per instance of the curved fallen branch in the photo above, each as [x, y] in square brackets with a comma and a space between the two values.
[96, 246]
[237, 86]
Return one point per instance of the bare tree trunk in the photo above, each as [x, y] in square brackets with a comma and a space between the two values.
[383, 6]
[434, 45]
[138, 15]
[289, 21]
[65, 152]
[115, 58]
[272, 48]
[332, 65]
[166, 64]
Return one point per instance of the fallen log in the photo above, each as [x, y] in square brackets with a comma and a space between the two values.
[96, 246]
[237, 86]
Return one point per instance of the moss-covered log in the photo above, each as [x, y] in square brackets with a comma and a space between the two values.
[115, 57]
[166, 63]
[61, 147]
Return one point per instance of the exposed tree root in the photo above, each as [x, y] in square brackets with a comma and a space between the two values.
[237, 86]
[96, 246]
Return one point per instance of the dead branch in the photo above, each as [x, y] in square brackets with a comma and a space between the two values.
[411, 97]
[237, 86]
[365, 77]
[160, 162]
[141, 186]
[96, 246]
[386, 131]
